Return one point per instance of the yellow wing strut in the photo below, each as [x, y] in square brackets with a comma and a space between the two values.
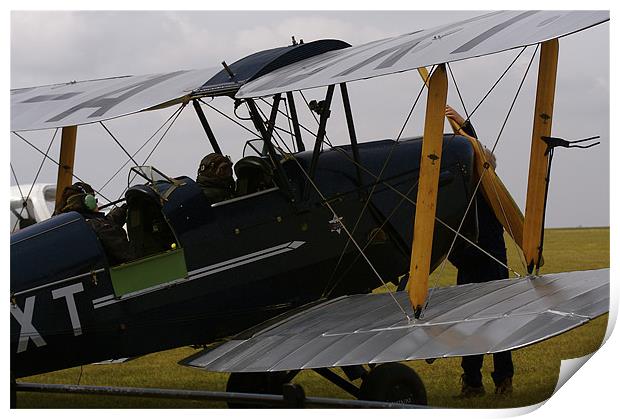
[67, 158]
[543, 116]
[495, 192]
[426, 203]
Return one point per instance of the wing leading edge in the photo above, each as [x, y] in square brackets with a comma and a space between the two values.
[461, 320]
[85, 102]
[482, 35]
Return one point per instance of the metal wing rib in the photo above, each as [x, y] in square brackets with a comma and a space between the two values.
[481, 35]
[462, 320]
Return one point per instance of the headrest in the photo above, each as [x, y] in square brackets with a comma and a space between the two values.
[249, 166]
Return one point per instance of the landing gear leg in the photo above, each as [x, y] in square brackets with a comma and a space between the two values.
[393, 382]
[256, 382]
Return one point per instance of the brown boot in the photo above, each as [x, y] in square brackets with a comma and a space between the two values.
[468, 391]
[504, 388]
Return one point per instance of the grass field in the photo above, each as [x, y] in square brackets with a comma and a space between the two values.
[536, 367]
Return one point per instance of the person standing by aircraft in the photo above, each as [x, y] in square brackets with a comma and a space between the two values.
[475, 266]
[215, 177]
[80, 197]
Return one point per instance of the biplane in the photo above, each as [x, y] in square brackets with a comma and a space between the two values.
[279, 279]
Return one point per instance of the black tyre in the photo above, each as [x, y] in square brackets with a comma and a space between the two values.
[255, 382]
[393, 382]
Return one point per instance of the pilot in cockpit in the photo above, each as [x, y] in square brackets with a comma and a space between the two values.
[80, 197]
[215, 177]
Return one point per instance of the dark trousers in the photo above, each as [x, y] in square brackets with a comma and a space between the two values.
[502, 368]
[483, 270]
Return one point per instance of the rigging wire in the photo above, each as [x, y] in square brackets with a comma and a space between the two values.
[515, 98]
[411, 201]
[350, 236]
[388, 158]
[456, 85]
[496, 83]
[119, 144]
[372, 191]
[19, 188]
[163, 135]
[229, 118]
[494, 146]
[36, 177]
[56, 163]
[352, 239]
[24, 201]
[482, 175]
[408, 199]
[372, 236]
[300, 125]
[458, 91]
[521, 255]
[155, 147]
[141, 147]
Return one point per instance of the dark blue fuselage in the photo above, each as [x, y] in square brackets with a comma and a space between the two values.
[246, 260]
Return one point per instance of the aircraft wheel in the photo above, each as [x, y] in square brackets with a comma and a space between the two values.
[255, 382]
[393, 382]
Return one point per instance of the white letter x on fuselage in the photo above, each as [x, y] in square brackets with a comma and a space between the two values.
[27, 332]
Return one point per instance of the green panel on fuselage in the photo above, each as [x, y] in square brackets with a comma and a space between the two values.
[148, 272]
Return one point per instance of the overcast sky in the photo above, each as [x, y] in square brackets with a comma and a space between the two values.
[52, 47]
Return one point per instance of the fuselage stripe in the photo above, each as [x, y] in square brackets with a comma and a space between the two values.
[205, 271]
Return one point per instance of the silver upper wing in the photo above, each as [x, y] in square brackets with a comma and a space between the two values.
[85, 102]
[461, 320]
[482, 35]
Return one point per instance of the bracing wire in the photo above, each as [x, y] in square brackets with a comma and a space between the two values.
[372, 191]
[384, 166]
[458, 91]
[484, 172]
[56, 163]
[229, 118]
[445, 261]
[118, 143]
[141, 147]
[163, 135]
[36, 177]
[410, 200]
[514, 99]
[406, 197]
[21, 194]
[521, 256]
[496, 83]
[156, 145]
[368, 242]
[300, 125]
[346, 230]
[352, 239]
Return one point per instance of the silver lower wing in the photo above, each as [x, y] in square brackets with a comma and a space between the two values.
[461, 320]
